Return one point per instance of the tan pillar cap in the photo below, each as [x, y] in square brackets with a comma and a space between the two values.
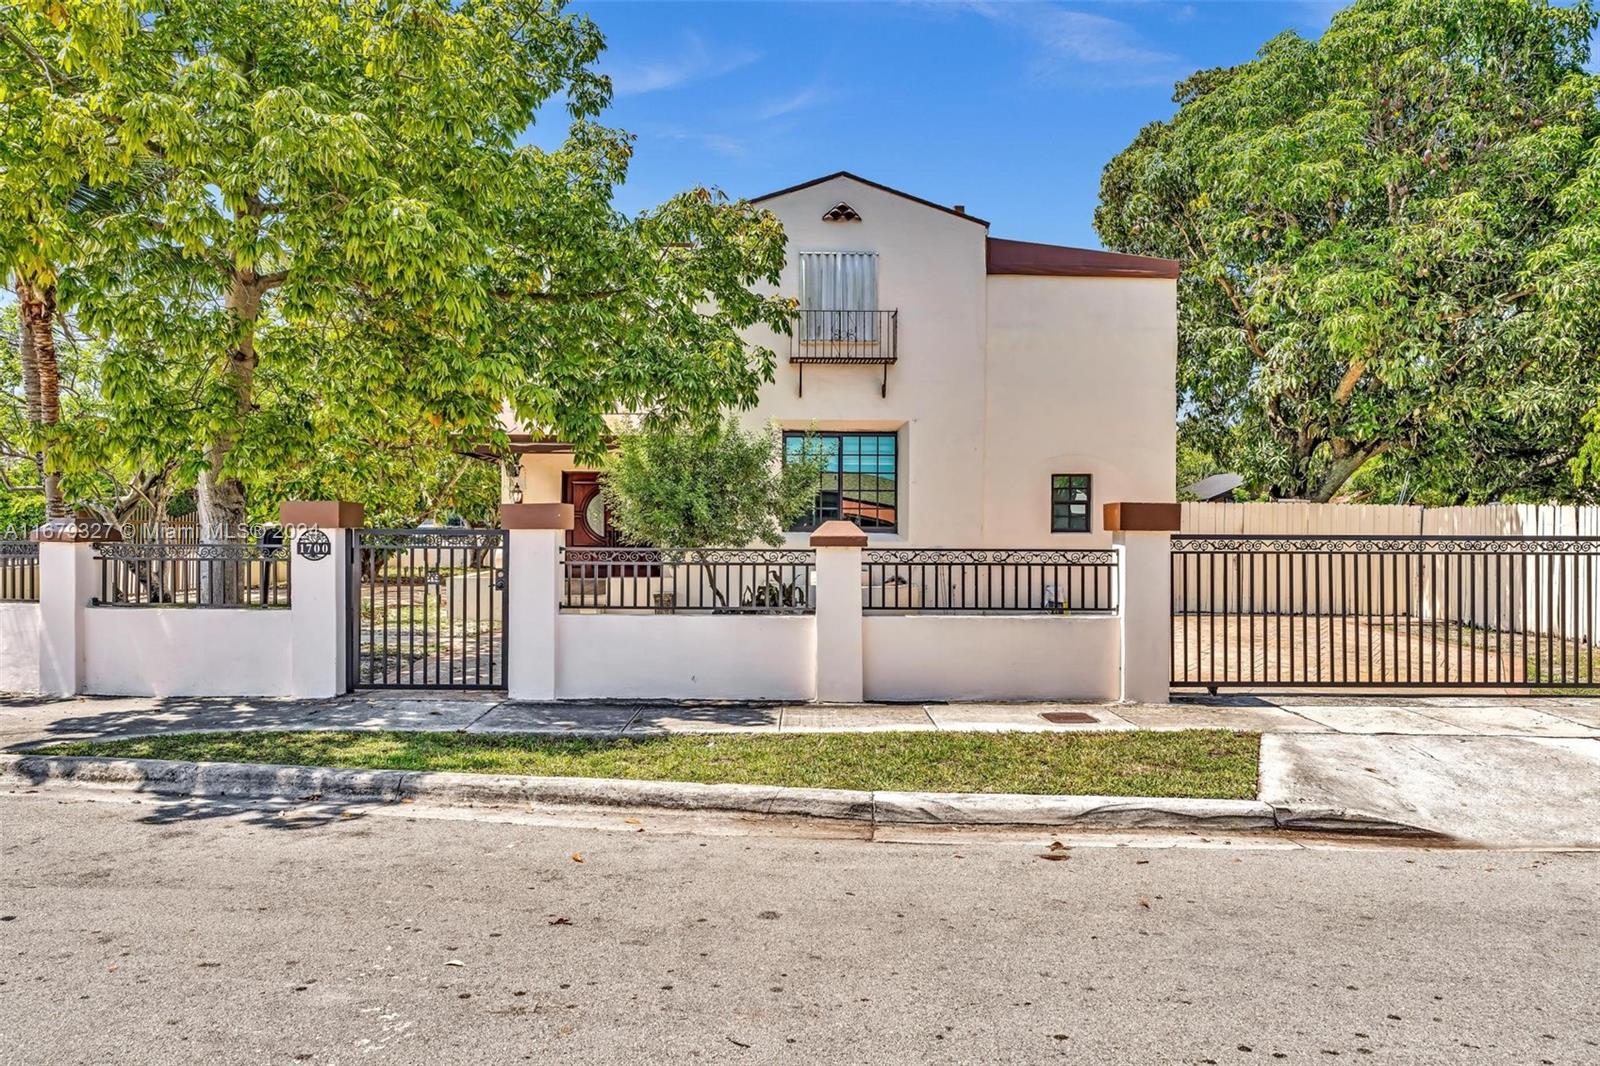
[328, 514]
[838, 534]
[536, 515]
[1143, 517]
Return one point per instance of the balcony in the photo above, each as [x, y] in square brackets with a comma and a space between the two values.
[845, 338]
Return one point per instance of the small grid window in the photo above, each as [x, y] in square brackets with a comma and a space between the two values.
[860, 479]
[1069, 503]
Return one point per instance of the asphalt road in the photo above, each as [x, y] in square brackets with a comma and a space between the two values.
[166, 934]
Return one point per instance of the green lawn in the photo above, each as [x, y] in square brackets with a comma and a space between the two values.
[1208, 763]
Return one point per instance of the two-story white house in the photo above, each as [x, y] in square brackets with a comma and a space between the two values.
[969, 391]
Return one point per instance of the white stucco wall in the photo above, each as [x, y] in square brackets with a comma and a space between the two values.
[650, 656]
[990, 657]
[19, 647]
[1081, 380]
[177, 652]
[931, 270]
[1002, 380]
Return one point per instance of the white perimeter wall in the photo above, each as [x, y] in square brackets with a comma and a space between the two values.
[989, 657]
[19, 647]
[667, 656]
[176, 652]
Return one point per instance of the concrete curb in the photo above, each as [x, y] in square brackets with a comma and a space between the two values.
[256, 781]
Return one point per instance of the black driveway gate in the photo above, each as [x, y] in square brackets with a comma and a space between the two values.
[1385, 612]
[427, 608]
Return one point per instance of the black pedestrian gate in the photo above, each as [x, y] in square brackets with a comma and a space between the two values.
[427, 608]
[1517, 613]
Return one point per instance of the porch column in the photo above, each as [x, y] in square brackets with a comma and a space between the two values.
[838, 545]
[1142, 533]
[67, 584]
[534, 534]
[321, 583]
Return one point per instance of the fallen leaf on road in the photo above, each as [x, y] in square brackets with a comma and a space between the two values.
[560, 921]
[1055, 856]
[577, 857]
[1056, 845]
[455, 962]
[1145, 904]
[736, 1043]
[631, 821]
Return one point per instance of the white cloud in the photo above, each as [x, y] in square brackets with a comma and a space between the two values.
[1083, 47]
[720, 143]
[802, 100]
[693, 61]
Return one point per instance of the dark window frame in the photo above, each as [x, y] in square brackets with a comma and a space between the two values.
[1062, 518]
[824, 509]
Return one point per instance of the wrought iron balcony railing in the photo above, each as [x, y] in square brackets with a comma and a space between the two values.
[845, 337]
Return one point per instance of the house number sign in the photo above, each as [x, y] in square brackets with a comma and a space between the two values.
[313, 544]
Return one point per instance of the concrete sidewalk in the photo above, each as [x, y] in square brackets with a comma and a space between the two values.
[1489, 770]
[28, 720]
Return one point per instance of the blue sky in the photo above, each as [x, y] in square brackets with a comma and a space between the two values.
[1009, 108]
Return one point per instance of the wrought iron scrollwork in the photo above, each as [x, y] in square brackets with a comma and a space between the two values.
[991, 556]
[746, 556]
[18, 549]
[445, 537]
[128, 551]
[1388, 545]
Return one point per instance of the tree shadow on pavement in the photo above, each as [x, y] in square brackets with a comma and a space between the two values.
[37, 720]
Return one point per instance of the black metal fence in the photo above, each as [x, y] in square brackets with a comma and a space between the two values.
[720, 580]
[427, 608]
[1432, 612]
[1030, 581]
[19, 571]
[193, 575]
[823, 336]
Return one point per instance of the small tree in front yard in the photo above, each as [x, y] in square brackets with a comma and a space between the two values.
[684, 491]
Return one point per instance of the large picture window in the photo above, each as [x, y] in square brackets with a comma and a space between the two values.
[860, 479]
[1069, 504]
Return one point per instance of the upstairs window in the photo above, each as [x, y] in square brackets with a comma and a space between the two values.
[839, 296]
[1069, 504]
[860, 479]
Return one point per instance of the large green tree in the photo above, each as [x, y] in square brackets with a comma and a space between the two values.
[1367, 224]
[350, 253]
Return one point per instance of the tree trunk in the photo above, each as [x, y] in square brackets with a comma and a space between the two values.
[717, 594]
[36, 316]
[1347, 460]
[221, 497]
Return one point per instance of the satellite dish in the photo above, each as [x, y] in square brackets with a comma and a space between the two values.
[1214, 487]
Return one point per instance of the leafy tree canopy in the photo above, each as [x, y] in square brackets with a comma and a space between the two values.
[1382, 233]
[333, 257]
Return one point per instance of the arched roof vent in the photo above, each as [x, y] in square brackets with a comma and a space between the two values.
[842, 213]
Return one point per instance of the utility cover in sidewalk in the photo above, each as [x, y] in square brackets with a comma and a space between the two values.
[1068, 717]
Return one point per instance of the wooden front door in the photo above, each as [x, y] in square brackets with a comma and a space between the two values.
[591, 525]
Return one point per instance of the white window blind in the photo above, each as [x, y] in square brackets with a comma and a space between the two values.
[844, 287]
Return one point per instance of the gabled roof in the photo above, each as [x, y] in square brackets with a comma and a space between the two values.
[872, 184]
[1023, 257]
[1058, 261]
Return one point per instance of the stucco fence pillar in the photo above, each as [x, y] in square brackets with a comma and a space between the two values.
[66, 587]
[1142, 533]
[319, 603]
[534, 534]
[839, 649]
